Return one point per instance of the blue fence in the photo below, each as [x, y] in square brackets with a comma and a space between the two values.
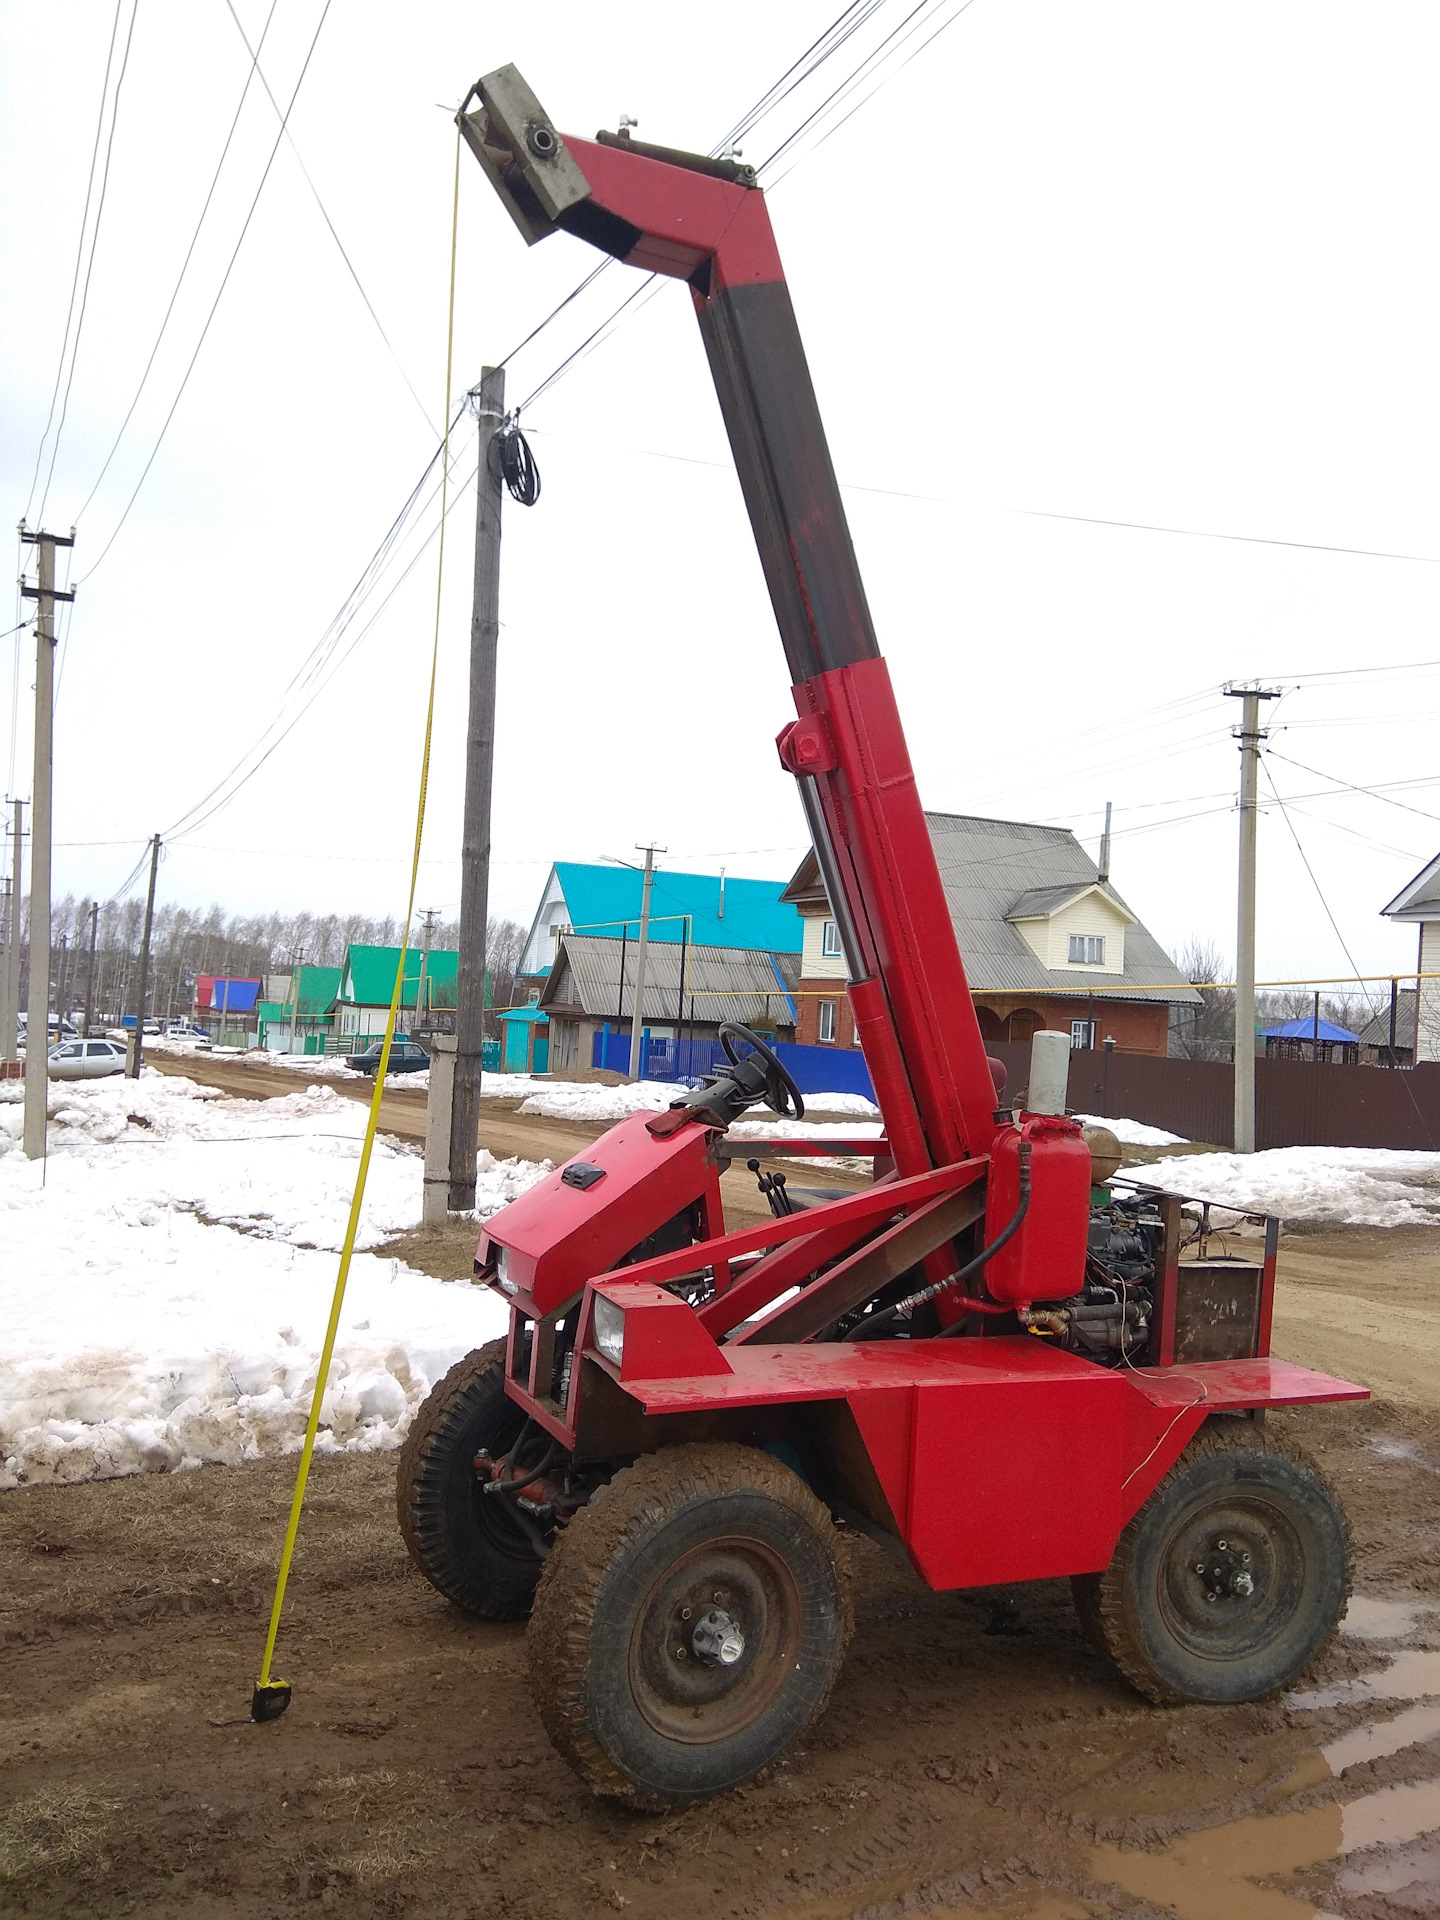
[827, 1069]
[659, 1059]
[813, 1069]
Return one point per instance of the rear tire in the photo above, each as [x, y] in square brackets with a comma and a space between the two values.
[1229, 1580]
[468, 1546]
[689, 1624]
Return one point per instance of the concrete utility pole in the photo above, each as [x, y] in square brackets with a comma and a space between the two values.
[479, 774]
[90, 970]
[1249, 734]
[137, 1051]
[429, 915]
[642, 947]
[37, 1019]
[10, 1012]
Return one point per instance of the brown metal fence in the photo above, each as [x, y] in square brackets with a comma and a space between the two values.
[1297, 1104]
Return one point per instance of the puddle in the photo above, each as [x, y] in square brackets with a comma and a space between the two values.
[1412, 1675]
[1367, 1619]
[1211, 1875]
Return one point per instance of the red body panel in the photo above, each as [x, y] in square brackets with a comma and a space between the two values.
[558, 1236]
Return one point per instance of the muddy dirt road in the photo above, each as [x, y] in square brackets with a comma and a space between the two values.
[978, 1757]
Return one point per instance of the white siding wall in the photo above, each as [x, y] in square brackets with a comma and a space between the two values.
[1428, 1036]
[815, 963]
[540, 951]
[1049, 939]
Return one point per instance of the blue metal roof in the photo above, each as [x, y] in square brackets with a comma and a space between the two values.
[1309, 1029]
[606, 901]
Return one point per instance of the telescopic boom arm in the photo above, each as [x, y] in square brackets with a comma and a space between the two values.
[705, 221]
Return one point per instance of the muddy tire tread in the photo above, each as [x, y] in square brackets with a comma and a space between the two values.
[1100, 1598]
[558, 1638]
[421, 1523]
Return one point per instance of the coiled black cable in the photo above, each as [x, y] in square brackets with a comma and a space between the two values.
[517, 465]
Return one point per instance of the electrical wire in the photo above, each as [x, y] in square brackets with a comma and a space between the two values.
[1248, 539]
[90, 263]
[517, 465]
[79, 256]
[1373, 793]
[184, 265]
[324, 215]
[220, 293]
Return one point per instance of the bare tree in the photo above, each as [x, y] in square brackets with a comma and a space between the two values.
[1206, 1032]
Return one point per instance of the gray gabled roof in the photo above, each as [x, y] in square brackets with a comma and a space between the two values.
[987, 867]
[724, 983]
[1376, 1031]
[1037, 902]
[1420, 900]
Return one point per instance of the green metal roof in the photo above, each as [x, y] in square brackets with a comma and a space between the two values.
[317, 988]
[368, 977]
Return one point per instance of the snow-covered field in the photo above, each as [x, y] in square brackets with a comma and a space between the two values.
[1340, 1186]
[168, 1277]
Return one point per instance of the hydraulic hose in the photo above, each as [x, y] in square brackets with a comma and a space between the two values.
[981, 1259]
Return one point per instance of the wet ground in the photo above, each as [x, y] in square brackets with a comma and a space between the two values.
[978, 1757]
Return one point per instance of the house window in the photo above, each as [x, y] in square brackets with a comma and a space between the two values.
[1082, 1034]
[830, 941]
[827, 1019]
[1087, 949]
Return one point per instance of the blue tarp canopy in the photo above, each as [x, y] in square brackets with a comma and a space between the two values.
[1310, 1029]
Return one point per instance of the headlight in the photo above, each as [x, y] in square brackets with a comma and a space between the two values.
[502, 1270]
[609, 1326]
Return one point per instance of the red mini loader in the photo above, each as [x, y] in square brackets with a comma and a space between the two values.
[976, 1359]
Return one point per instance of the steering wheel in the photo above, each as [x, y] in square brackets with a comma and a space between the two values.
[782, 1096]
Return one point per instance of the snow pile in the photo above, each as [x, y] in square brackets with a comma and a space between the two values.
[1340, 1186]
[140, 1337]
[1133, 1133]
[579, 1100]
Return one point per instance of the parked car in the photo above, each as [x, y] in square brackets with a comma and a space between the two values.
[182, 1030]
[405, 1057]
[84, 1060]
[58, 1029]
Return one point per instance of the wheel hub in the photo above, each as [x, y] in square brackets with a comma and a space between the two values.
[717, 1639]
[1225, 1572]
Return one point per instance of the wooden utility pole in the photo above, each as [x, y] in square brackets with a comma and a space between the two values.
[37, 1019]
[1249, 734]
[90, 970]
[137, 1051]
[479, 774]
[642, 948]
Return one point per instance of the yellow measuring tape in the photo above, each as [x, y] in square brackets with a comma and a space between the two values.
[271, 1696]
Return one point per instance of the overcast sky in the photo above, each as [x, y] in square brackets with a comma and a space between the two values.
[1135, 263]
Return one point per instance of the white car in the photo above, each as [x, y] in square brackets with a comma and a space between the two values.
[84, 1060]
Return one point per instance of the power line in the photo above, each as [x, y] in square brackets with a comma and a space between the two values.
[324, 215]
[185, 381]
[184, 265]
[1373, 793]
[1249, 539]
[79, 256]
[90, 262]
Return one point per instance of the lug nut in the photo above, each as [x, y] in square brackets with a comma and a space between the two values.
[684, 1613]
[1220, 1546]
[679, 1653]
[1200, 1566]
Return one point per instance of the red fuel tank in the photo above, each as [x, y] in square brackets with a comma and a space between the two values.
[1046, 1258]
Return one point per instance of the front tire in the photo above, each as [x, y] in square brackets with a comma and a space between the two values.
[470, 1547]
[689, 1624]
[1229, 1580]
